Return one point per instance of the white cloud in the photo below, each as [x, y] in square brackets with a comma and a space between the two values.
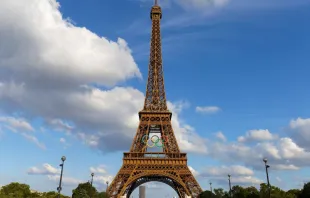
[257, 135]
[201, 4]
[207, 109]
[282, 154]
[235, 170]
[103, 179]
[300, 129]
[46, 169]
[67, 61]
[219, 135]
[188, 139]
[63, 58]
[194, 172]
[55, 47]
[16, 124]
[100, 169]
[239, 175]
[60, 125]
[35, 140]
[101, 176]
[21, 126]
[67, 181]
[210, 12]
[248, 180]
[62, 140]
[285, 167]
[290, 150]
[192, 4]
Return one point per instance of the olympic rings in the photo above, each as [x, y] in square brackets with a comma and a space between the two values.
[155, 140]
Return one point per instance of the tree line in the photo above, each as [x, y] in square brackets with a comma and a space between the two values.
[86, 190]
[17, 190]
[263, 192]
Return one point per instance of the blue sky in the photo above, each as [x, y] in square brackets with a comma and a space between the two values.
[236, 77]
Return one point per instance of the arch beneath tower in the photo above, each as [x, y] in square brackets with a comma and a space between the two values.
[174, 182]
[144, 180]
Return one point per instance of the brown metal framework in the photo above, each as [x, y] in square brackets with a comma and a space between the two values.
[170, 165]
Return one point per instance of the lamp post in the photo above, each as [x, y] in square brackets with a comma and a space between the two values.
[211, 189]
[107, 188]
[267, 166]
[63, 159]
[91, 182]
[229, 185]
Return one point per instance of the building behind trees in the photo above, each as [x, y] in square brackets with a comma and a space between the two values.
[141, 191]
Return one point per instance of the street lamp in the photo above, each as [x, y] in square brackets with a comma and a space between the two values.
[91, 182]
[63, 159]
[229, 185]
[211, 189]
[267, 166]
[107, 188]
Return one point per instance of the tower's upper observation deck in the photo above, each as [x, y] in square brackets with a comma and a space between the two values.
[156, 10]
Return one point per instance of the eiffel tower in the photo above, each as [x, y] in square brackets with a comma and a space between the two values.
[141, 165]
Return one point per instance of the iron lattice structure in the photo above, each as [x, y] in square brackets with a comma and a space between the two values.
[170, 165]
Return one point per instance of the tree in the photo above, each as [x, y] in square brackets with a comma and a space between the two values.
[219, 192]
[251, 192]
[277, 192]
[15, 190]
[102, 195]
[36, 195]
[263, 192]
[238, 192]
[305, 193]
[90, 190]
[52, 194]
[80, 193]
[206, 194]
[293, 193]
[85, 190]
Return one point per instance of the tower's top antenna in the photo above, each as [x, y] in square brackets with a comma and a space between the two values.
[156, 2]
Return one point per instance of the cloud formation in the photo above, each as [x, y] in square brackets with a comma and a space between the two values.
[300, 131]
[240, 175]
[191, 4]
[67, 181]
[201, 4]
[22, 127]
[101, 175]
[16, 124]
[194, 172]
[59, 125]
[236, 170]
[53, 174]
[71, 63]
[219, 135]
[64, 59]
[283, 153]
[187, 138]
[46, 169]
[100, 169]
[257, 135]
[207, 109]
